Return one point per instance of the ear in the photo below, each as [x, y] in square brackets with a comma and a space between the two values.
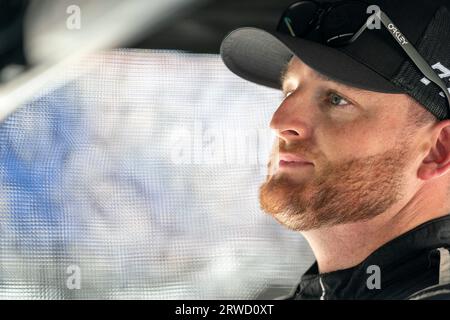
[437, 162]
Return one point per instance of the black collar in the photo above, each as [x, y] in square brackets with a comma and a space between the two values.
[403, 262]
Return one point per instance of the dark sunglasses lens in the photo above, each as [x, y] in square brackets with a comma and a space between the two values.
[342, 22]
[298, 18]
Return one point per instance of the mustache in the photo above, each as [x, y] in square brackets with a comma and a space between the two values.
[304, 149]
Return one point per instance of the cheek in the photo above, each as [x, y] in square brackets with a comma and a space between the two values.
[349, 141]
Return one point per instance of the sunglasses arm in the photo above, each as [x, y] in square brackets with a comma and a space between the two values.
[415, 56]
[409, 50]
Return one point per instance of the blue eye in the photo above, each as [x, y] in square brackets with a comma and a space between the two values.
[337, 100]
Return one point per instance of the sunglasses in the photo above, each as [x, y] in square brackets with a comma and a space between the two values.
[342, 23]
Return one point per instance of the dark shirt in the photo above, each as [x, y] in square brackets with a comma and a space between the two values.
[415, 265]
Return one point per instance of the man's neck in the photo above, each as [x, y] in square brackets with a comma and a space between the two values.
[344, 246]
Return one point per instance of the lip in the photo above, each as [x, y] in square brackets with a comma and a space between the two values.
[287, 157]
[288, 160]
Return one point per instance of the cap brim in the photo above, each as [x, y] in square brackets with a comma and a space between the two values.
[260, 56]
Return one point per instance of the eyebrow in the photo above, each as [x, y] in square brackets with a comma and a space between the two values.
[284, 73]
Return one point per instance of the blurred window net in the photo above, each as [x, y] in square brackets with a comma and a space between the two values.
[138, 174]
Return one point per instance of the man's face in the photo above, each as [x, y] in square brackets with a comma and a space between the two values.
[342, 155]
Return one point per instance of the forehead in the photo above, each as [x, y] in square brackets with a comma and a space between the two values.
[296, 65]
[295, 68]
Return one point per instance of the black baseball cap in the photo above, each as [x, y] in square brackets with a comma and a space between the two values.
[373, 62]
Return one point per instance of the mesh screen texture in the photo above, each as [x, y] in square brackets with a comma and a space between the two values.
[136, 177]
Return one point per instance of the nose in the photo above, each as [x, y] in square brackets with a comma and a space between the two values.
[290, 122]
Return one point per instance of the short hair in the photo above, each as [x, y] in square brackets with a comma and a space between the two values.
[419, 116]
